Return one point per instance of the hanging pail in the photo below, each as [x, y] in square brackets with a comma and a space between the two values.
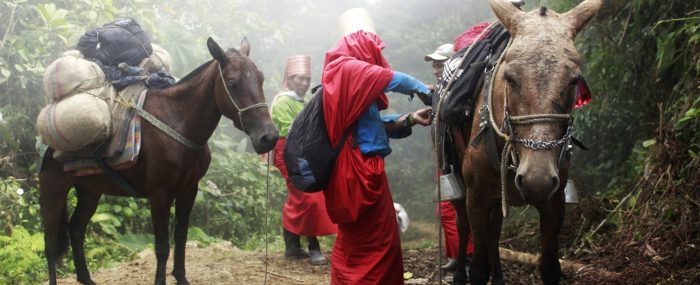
[570, 193]
[451, 188]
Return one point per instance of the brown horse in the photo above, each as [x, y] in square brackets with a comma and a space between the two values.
[536, 82]
[166, 170]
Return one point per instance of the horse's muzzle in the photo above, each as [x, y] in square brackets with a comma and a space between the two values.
[266, 141]
[537, 185]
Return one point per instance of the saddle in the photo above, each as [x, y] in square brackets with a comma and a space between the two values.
[463, 79]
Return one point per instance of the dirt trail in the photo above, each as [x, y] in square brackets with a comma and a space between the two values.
[215, 264]
[224, 264]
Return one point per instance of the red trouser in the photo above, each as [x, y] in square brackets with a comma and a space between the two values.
[449, 225]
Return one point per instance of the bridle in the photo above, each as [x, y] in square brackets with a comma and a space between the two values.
[507, 133]
[239, 110]
[509, 136]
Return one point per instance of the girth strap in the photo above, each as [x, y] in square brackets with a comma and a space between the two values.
[116, 178]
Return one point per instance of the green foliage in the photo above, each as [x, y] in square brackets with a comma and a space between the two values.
[22, 257]
[232, 207]
[640, 61]
[19, 206]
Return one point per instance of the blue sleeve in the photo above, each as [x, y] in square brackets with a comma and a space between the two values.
[406, 84]
[402, 132]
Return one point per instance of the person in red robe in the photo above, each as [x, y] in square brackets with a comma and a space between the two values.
[355, 78]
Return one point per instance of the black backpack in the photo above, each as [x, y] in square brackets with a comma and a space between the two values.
[119, 41]
[308, 153]
[457, 106]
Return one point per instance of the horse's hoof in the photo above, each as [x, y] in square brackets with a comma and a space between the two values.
[87, 281]
[183, 281]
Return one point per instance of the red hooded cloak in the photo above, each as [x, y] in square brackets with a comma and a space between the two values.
[367, 249]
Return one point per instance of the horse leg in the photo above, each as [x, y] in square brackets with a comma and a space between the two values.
[54, 214]
[551, 219]
[496, 218]
[183, 208]
[479, 220]
[160, 216]
[87, 204]
[460, 275]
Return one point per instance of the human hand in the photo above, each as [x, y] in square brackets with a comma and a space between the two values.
[423, 116]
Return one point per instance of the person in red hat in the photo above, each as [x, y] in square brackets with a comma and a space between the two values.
[304, 214]
[355, 78]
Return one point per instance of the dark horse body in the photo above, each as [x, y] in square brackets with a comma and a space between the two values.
[167, 171]
[536, 78]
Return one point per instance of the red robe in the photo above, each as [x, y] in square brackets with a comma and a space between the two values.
[449, 225]
[303, 213]
[367, 249]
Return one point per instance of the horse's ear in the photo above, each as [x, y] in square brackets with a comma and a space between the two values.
[245, 46]
[215, 50]
[581, 14]
[507, 13]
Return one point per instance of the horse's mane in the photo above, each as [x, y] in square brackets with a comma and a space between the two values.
[172, 91]
[194, 72]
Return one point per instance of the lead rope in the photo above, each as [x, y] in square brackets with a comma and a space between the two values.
[267, 207]
[439, 228]
[507, 147]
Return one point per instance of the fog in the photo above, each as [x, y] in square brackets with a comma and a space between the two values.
[410, 29]
[277, 29]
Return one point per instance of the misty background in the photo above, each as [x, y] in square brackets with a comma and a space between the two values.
[232, 202]
[278, 29]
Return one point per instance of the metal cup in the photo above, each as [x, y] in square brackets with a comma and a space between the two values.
[517, 3]
[570, 193]
[450, 188]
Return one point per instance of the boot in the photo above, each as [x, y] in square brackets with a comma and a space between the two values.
[467, 264]
[315, 255]
[450, 266]
[292, 246]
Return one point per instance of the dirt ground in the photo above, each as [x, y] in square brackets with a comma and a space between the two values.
[224, 264]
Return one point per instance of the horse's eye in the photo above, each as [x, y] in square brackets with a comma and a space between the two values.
[508, 77]
[231, 84]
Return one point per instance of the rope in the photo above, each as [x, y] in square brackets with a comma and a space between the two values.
[157, 123]
[497, 130]
[267, 208]
[439, 228]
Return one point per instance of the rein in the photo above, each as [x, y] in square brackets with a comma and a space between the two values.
[506, 131]
[239, 110]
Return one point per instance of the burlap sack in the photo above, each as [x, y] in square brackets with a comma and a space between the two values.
[71, 74]
[74, 122]
[160, 58]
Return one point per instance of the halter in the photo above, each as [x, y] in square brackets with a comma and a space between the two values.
[506, 131]
[239, 110]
